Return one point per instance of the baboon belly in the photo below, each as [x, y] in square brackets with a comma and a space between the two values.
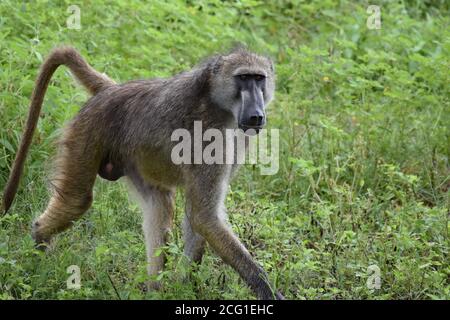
[158, 170]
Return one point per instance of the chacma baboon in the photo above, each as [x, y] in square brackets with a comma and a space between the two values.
[124, 130]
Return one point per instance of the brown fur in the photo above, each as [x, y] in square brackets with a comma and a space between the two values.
[90, 78]
[125, 130]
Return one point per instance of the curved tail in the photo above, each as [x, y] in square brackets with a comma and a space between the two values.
[85, 74]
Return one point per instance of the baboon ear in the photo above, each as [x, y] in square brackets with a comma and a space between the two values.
[215, 64]
[271, 64]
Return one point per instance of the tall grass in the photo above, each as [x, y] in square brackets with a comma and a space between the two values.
[364, 160]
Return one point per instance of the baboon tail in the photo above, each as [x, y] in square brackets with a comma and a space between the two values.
[86, 75]
[90, 78]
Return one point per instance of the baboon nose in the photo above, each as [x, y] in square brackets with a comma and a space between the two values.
[256, 121]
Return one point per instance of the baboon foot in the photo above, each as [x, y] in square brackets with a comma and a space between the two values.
[279, 296]
[154, 285]
[42, 242]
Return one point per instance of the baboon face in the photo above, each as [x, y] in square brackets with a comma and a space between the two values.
[243, 84]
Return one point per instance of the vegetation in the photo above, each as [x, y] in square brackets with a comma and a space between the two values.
[364, 147]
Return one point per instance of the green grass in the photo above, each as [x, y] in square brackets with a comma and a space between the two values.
[364, 119]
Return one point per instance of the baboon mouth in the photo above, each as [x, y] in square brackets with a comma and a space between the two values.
[250, 130]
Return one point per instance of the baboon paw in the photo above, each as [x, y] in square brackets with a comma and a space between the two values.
[154, 286]
[279, 296]
[41, 242]
[267, 295]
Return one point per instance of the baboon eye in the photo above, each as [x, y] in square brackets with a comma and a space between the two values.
[243, 77]
[259, 77]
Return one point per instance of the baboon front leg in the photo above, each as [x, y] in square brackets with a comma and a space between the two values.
[75, 171]
[208, 218]
[157, 206]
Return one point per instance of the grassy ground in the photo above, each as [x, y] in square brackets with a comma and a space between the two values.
[364, 155]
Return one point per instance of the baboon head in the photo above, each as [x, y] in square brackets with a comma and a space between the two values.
[243, 83]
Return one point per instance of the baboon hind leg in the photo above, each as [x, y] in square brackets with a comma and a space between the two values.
[157, 206]
[194, 244]
[75, 172]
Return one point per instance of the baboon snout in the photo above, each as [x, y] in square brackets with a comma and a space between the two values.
[255, 120]
[252, 115]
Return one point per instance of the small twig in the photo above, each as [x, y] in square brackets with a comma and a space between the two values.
[114, 287]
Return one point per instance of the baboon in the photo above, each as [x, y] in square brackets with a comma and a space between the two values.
[124, 130]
